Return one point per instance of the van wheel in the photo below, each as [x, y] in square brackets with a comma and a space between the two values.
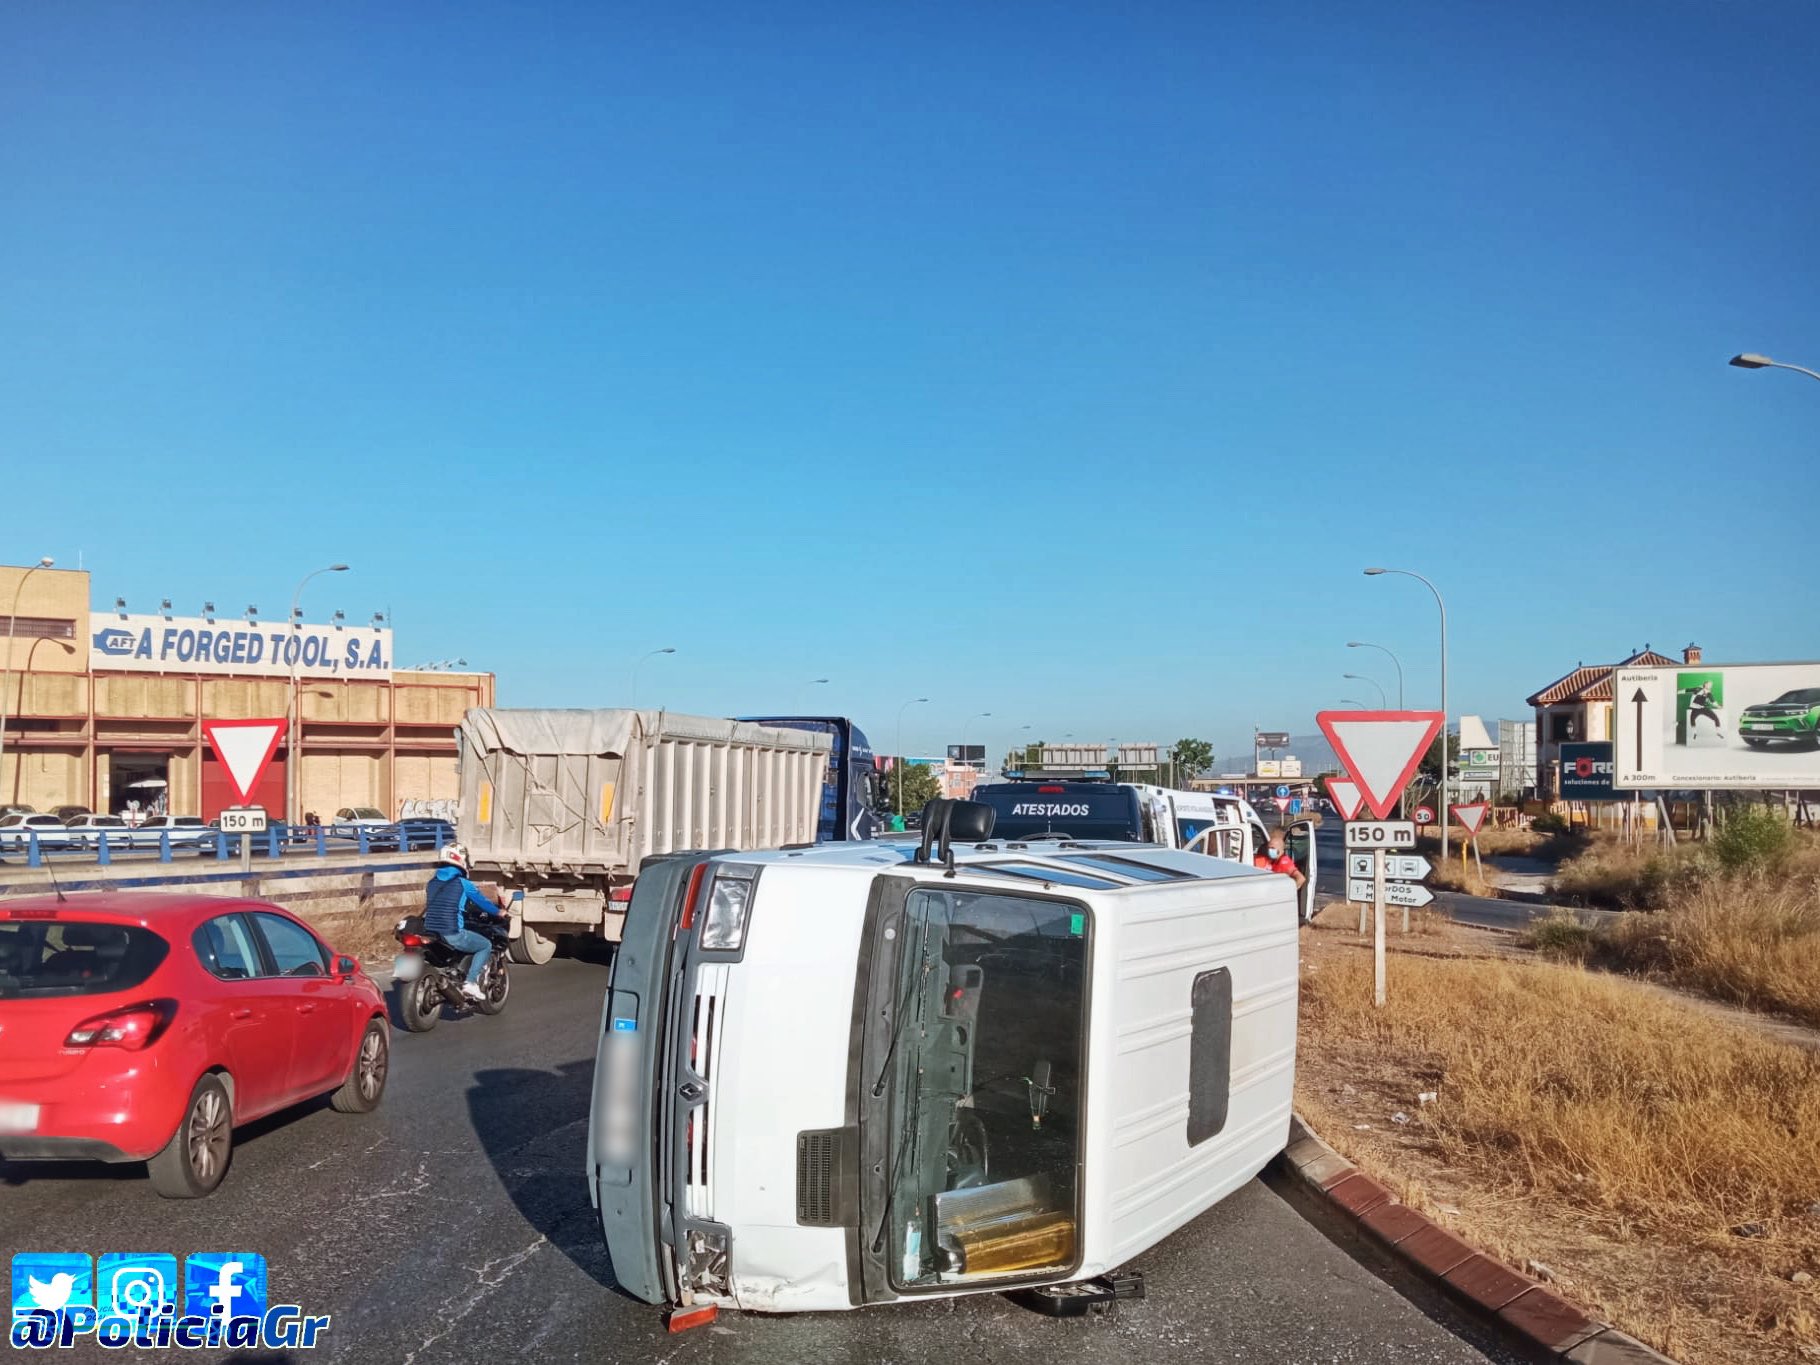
[196, 1158]
[531, 949]
[360, 1092]
[420, 1003]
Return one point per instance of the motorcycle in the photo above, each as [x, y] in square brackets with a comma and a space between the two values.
[429, 973]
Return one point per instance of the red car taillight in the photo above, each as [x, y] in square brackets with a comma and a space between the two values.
[133, 1028]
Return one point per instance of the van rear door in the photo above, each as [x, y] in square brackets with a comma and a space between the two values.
[627, 1150]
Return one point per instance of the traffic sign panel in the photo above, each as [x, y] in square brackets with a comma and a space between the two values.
[1282, 791]
[1381, 749]
[1424, 815]
[1412, 894]
[1403, 867]
[1345, 795]
[1380, 834]
[1472, 815]
[244, 748]
[243, 820]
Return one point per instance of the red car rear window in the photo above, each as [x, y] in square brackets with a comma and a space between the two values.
[43, 958]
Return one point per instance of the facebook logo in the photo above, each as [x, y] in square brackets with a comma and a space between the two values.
[224, 1284]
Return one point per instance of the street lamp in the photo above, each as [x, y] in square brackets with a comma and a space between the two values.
[1747, 361]
[667, 649]
[1348, 701]
[797, 702]
[967, 725]
[1410, 573]
[1360, 677]
[6, 676]
[293, 741]
[914, 701]
[1367, 644]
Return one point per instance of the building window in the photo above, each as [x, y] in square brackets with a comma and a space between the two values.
[40, 627]
[1560, 728]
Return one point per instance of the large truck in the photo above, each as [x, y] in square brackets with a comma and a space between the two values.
[559, 808]
[850, 796]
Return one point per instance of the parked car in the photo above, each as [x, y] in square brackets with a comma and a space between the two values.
[69, 813]
[15, 808]
[186, 831]
[85, 831]
[411, 835]
[361, 815]
[147, 1026]
[1792, 718]
[16, 833]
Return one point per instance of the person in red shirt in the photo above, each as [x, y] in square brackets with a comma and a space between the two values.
[1274, 857]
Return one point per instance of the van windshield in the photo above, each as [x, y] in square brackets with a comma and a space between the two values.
[985, 1121]
[1077, 810]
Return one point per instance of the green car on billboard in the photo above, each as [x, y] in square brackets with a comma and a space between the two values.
[1792, 718]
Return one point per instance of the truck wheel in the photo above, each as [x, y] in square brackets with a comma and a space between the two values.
[531, 949]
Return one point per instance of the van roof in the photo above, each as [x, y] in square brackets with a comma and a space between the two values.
[1109, 863]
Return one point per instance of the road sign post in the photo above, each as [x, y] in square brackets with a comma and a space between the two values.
[1377, 945]
[244, 747]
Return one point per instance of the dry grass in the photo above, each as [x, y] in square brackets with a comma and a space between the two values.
[1747, 942]
[1586, 1122]
[1447, 876]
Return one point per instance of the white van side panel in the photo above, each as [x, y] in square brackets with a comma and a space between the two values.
[1145, 1179]
[788, 1012]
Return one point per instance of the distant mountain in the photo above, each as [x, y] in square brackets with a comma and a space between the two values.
[1315, 752]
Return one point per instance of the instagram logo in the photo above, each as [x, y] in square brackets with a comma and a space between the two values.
[128, 1285]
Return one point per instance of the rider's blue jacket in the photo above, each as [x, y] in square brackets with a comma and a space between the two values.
[448, 891]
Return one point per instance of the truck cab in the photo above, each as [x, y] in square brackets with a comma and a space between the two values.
[861, 1074]
[850, 792]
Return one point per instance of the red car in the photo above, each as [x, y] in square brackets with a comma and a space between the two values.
[140, 1026]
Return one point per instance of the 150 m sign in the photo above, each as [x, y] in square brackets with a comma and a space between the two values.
[1380, 834]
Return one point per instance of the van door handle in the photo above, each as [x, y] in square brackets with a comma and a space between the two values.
[240, 1014]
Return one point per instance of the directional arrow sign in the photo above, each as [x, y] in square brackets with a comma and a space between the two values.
[244, 748]
[1472, 816]
[1344, 793]
[1381, 750]
[1412, 894]
[1404, 867]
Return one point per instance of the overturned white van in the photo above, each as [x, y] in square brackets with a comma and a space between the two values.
[873, 1072]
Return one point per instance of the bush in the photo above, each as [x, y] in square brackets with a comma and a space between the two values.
[1550, 822]
[1561, 937]
[1753, 839]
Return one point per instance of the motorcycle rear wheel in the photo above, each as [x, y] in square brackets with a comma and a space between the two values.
[420, 1003]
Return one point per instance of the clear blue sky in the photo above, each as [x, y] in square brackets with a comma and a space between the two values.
[1063, 362]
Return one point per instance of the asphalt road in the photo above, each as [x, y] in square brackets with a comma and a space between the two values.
[453, 1225]
[1485, 911]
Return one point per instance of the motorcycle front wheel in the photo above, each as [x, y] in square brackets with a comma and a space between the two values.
[495, 985]
[420, 1003]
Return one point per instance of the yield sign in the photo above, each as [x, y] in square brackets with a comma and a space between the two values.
[244, 748]
[1344, 793]
[1381, 750]
[1472, 816]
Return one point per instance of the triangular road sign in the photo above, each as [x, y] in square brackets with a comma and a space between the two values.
[1472, 816]
[1345, 795]
[1381, 750]
[244, 748]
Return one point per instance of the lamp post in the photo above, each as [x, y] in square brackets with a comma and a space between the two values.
[796, 703]
[967, 725]
[1367, 644]
[1348, 701]
[6, 676]
[899, 763]
[1748, 361]
[294, 741]
[1410, 573]
[667, 649]
[1360, 677]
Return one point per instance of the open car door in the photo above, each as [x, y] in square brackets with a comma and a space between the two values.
[1298, 839]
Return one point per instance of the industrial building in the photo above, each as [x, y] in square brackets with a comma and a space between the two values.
[105, 709]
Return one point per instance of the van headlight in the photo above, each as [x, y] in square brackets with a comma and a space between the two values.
[723, 926]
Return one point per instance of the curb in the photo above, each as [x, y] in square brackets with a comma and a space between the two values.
[1517, 1303]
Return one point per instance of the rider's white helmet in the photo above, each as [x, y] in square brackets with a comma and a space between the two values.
[456, 855]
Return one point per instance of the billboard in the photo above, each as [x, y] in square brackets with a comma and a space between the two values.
[1586, 772]
[1290, 767]
[1271, 739]
[1717, 725]
[1270, 767]
[235, 648]
[974, 754]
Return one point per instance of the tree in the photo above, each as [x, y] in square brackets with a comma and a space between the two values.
[1191, 757]
[918, 785]
[1431, 761]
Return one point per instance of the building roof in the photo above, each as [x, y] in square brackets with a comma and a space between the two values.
[1592, 682]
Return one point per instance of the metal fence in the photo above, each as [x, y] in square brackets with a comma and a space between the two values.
[167, 845]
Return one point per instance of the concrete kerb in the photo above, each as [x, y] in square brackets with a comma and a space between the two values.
[1518, 1304]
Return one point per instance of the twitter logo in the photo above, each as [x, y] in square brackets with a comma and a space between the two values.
[52, 1280]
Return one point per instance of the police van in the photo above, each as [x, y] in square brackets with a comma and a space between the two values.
[887, 1072]
[1201, 822]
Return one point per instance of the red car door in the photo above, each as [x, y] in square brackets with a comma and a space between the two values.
[322, 1040]
[249, 1024]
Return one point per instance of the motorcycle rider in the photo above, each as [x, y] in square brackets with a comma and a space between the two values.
[449, 891]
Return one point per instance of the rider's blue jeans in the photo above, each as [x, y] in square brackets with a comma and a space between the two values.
[472, 941]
